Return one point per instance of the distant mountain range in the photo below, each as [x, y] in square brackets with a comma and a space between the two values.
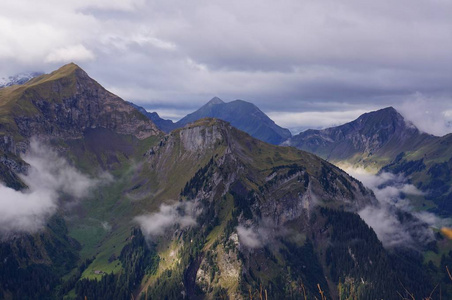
[205, 212]
[164, 125]
[241, 114]
[18, 79]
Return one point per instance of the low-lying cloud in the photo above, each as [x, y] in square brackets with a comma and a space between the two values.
[50, 179]
[180, 214]
[260, 235]
[394, 221]
[430, 116]
[251, 237]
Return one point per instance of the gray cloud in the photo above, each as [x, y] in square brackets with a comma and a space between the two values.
[180, 214]
[394, 221]
[50, 179]
[309, 55]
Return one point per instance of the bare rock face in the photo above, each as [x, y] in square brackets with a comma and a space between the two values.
[200, 138]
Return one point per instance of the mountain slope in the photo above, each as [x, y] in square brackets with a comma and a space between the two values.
[429, 168]
[242, 115]
[261, 210]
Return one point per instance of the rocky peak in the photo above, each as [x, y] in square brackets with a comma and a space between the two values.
[386, 117]
[202, 135]
[381, 133]
[242, 115]
[215, 101]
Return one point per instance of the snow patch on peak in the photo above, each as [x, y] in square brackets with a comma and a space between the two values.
[18, 79]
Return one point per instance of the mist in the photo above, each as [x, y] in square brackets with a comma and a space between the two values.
[51, 181]
[180, 214]
[251, 237]
[394, 220]
[262, 234]
[433, 116]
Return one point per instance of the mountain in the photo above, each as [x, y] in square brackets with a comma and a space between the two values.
[372, 140]
[163, 124]
[18, 79]
[206, 211]
[277, 199]
[242, 115]
[74, 130]
[63, 105]
[383, 141]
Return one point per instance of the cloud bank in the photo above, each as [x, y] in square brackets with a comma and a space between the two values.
[50, 180]
[394, 220]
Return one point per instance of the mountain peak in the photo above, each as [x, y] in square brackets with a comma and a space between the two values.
[384, 116]
[70, 71]
[242, 115]
[215, 101]
[381, 134]
[70, 102]
[67, 70]
[70, 66]
[386, 111]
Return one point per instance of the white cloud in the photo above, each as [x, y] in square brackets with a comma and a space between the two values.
[180, 214]
[297, 121]
[49, 178]
[261, 234]
[25, 211]
[249, 237]
[121, 5]
[68, 54]
[430, 115]
[388, 220]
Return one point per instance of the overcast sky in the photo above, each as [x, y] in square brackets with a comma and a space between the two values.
[304, 63]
